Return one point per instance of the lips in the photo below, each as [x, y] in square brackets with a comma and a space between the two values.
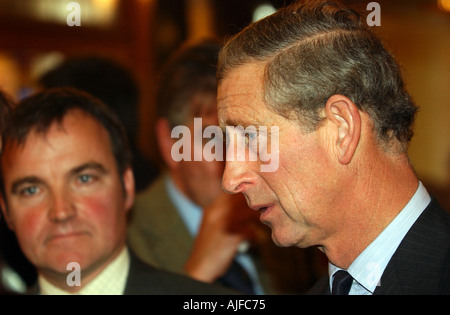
[262, 208]
[63, 236]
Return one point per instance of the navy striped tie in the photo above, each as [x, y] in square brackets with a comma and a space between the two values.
[342, 283]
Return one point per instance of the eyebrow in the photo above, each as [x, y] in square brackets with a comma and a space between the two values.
[238, 122]
[87, 166]
[25, 180]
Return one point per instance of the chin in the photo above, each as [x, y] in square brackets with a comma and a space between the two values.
[286, 240]
[281, 241]
[60, 261]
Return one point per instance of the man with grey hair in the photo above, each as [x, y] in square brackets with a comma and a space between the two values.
[184, 222]
[344, 182]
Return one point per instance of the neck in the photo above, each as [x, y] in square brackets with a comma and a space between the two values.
[378, 196]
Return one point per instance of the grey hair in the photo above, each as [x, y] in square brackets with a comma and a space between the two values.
[315, 49]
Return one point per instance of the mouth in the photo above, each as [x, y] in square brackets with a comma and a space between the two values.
[64, 236]
[263, 209]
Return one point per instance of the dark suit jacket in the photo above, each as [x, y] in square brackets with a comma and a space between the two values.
[421, 263]
[158, 236]
[144, 279]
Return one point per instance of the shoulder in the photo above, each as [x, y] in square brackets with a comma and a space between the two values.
[421, 264]
[146, 279]
[155, 190]
[431, 231]
[321, 287]
[150, 202]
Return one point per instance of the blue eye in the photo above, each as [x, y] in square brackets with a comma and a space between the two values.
[250, 139]
[29, 191]
[85, 178]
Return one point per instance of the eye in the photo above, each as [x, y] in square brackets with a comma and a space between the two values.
[227, 138]
[250, 139]
[29, 191]
[85, 178]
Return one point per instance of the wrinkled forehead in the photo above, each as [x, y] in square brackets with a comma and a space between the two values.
[241, 93]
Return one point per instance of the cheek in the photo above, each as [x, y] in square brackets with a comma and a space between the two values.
[297, 183]
[105, 211]
[30, 228]
[306, 188]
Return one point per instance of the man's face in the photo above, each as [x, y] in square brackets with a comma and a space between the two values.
[297, 199]
[66, 202]
[201, 180]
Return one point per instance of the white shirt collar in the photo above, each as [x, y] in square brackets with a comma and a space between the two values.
[369, 266]
[111, 281]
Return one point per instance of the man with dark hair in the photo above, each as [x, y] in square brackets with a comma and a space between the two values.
[68, 186]
[5, 107]
[344, 181]
[115, 86]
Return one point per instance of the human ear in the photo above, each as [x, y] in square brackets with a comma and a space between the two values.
[4, 213]
[165, 141]
[129, 187]
[344, 114]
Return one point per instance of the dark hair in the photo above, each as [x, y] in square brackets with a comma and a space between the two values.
[5, 108]
[105, 79]
[6, 105]
[189, 71]
[39, 111]
[315, 49]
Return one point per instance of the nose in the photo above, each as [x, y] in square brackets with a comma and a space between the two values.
[237, 177]
[62, 208]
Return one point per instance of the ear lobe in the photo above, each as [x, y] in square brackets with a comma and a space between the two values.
[342, 112]
[165, 141]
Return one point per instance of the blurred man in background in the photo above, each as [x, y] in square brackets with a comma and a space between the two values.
[184, 222]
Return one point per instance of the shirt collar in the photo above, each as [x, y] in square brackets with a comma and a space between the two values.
[369, 266]
[191, 214]
[111, 281]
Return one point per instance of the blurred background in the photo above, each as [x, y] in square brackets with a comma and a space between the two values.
[140, 34]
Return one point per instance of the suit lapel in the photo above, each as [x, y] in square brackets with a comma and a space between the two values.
[420, 264]
[167, 236]
[174, 247]
[417, 265]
